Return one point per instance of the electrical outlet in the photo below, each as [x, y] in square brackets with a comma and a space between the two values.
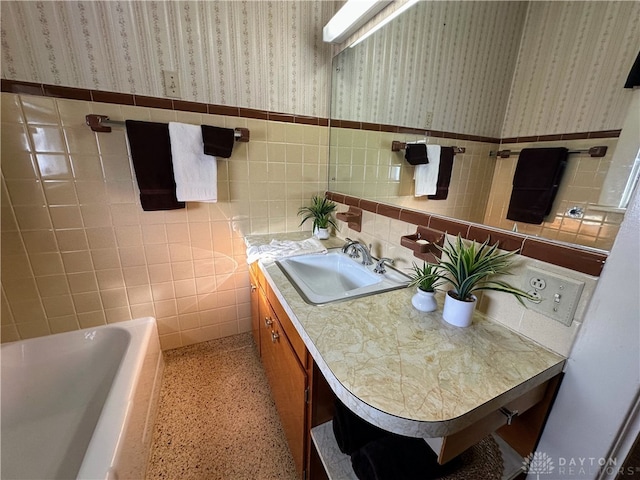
[558, 296]
[535, 294]
[537, 283]
[428, 121]
[171, 84]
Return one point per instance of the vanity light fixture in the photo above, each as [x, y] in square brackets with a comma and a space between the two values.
[403, 8]
[353, 15]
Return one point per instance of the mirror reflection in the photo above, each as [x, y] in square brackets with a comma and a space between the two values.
[489, 76]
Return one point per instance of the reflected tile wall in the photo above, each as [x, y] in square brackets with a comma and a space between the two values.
[78, 251]
[363, 165]
[580, 187]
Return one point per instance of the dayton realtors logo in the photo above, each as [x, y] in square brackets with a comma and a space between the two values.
[538, 463]
[546, 467]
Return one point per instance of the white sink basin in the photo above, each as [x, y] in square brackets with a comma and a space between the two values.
[334, 276]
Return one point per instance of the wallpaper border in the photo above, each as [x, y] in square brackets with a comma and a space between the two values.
[474, 138]
[72, 93]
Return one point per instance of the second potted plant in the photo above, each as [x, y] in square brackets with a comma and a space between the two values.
[426, 278]
[320, 211]
[468, 268]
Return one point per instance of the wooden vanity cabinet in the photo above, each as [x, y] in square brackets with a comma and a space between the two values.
[284, 357]
[305, 400]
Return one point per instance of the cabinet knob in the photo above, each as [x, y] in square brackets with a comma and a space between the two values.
[274, 336]
[267, 321]
[253, 288]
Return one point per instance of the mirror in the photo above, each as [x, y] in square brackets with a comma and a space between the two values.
[487, 76]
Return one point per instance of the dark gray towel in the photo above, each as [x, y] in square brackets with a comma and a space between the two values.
[444, 174]
[395, 457]
[416, 153]
[351, 431]
[218, 141]
[151, 155]
[535, 183]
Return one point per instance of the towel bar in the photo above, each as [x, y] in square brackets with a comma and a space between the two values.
[596, 152]
[396, 146]
[101, 123]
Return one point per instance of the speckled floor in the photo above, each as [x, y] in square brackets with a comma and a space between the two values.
[216, 418]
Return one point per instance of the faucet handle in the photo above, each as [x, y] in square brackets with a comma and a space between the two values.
[348, 243]
[349, 248]
[379, 268]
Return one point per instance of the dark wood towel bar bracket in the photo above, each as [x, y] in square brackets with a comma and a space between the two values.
[396, 146]
[596, 152]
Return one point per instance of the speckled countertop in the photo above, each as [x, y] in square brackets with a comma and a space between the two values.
[407, 371]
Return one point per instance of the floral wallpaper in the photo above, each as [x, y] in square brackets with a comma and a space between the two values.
[266, 55]
[497, 69]
[573, 62]
[442, 65]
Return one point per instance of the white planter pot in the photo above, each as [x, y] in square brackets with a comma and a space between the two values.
[457, 312]
[424, 301]
[321, 233]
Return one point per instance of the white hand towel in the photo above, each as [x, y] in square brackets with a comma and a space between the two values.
[196, 174]
[284, 248]
[426, 176]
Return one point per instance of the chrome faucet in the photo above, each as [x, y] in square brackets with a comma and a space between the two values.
[354, 248]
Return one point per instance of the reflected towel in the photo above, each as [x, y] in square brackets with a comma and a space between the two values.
[195, 173]
[444, 174]
[284, 248]
[535, 183]
[426, 176]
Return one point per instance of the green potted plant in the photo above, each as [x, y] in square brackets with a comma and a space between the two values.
[320, 211]
[468, 268]
[426, 278]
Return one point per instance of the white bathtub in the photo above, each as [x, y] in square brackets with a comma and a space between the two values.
[81, 404]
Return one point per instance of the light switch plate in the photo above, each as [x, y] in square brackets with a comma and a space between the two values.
[428, 121]
[171, 84]
[558, 295]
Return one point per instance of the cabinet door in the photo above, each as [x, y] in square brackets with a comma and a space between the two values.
[255, 311]
[288, 381]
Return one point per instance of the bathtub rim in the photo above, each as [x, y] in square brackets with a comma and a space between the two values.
[105, 447]
[100, 460]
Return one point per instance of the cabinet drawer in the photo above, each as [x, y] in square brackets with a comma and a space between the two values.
[255, 309]
[254, 270]
[519, 425]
